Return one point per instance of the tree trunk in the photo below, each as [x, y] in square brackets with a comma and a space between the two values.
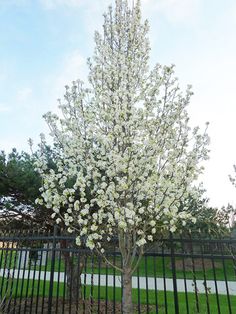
[127, 304]
[73, 281]
[73, 274]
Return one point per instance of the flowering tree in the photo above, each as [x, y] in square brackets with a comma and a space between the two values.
[127, 154]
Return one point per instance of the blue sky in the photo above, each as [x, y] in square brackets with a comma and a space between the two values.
[44, 45]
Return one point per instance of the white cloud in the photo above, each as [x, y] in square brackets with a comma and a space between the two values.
[24, 94]
[173, 10]
[52, 4]
[212, 75]
[231, 14]
[73, 68]
[14, 2]
[4, 108]
[17, 141]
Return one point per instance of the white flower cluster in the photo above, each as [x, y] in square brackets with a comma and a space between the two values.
[127, 154]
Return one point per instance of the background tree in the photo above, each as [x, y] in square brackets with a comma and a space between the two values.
[211, 221]
[19, 187]
[125, 140]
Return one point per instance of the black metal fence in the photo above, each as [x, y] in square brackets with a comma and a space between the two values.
[48, 273]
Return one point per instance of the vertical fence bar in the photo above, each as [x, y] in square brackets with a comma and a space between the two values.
[99, 282]
[204, 277]
[92, 282]
[173, 267]
[58, 280]
[114, 281]
[184, 275]
[194, 276]
[85, 284]
[50, 293]
[65, 281]
[146, 275]
[71, 284]
[19, 258]
[39, 275]
[16, 243]
[225, 277]
[4, 274]
[106, 293]
[155, 282]
[215, 281]
[2, 263]
[232, 250]
[28, 276]
[121, 267]
[23, 277]
[9, 277]
[164, 278]
[45, 274]
[33, 282]
[79, 282]
[139, 298]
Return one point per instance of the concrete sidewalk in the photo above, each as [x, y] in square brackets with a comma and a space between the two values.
[144, 283]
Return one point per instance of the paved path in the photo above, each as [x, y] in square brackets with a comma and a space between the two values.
[144, 283]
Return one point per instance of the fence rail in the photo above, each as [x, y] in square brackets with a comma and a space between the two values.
[48, 273]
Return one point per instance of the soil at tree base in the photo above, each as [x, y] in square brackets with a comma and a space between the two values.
[84, 307]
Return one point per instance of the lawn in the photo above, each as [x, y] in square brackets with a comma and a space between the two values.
[149, 266]
[25, 290]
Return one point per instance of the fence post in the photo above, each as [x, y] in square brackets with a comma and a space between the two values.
[50, 294]
[173, 267]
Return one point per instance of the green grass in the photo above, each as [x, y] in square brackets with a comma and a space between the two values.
[149, 266]
[35, 288]
[156, 267]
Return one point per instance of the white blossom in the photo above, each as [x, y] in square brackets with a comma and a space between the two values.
[173, 229]
[150, 238]
[141, 242]
[78, 241]
[58, 220]
[152, 223]
[127, 155]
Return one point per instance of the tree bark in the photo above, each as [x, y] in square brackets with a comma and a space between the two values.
[73, 274]
[127, 304]
[74, 292]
